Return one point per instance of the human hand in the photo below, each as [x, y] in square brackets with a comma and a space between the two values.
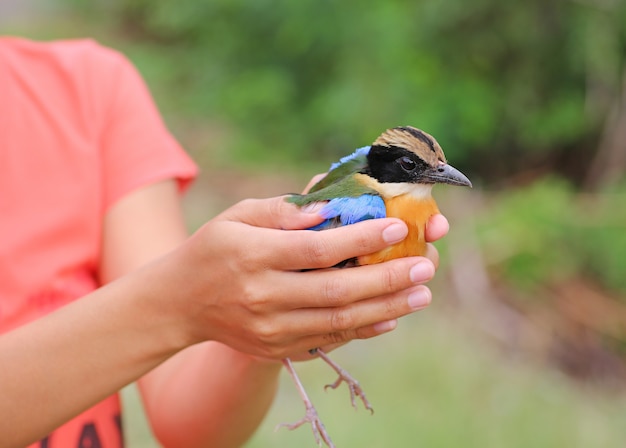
[239, 280]
[436, 228]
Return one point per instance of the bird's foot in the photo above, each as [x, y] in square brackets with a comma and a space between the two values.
[310, 416]
[344, 376]
[319, 431]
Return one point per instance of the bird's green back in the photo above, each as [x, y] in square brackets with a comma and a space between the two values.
[338, 183]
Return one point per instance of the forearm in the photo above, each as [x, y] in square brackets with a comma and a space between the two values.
[62, 364]
[207, 388]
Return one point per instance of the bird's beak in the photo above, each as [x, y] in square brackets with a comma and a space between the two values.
[447, 174]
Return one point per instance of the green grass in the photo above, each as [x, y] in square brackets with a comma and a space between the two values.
[433, 385]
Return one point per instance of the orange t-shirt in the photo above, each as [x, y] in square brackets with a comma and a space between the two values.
[78, 131]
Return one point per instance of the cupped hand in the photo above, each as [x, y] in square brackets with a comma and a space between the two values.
[251, 278]
[436, 228]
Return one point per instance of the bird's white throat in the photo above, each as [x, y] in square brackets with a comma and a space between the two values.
[418, 191]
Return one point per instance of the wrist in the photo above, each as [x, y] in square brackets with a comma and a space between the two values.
[160, 312]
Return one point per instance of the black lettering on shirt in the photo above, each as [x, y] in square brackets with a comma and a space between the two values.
[89, 437]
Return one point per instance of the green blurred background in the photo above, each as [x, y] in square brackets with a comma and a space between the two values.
[525, 342]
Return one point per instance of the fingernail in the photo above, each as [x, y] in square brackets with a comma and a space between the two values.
[384, 327]
[395, 233]
[419, 299]
[422, 272]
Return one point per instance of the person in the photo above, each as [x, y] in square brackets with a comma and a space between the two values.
[100, 285]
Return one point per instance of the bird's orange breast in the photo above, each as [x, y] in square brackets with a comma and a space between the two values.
[415, 213]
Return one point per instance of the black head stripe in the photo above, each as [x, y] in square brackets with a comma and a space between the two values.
[419, 135]
[383, 166]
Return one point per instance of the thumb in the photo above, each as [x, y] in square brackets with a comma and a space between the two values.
[273, 213]
[437, 227]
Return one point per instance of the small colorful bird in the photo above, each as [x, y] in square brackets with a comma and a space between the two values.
[391, 178]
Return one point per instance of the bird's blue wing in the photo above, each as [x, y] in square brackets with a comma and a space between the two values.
[350, 210]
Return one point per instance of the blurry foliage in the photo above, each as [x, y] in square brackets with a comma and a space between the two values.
[547, 233]
[512, 90]
[503, 85]
[506, 87]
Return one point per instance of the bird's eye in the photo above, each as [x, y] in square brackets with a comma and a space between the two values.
[407, 164]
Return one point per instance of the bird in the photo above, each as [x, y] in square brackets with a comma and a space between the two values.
[392, 177]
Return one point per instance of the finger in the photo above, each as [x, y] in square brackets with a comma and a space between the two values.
[316, 250]
[362, 320]
[273, 213]
[432, 254]
[343, 287]
[437, 227]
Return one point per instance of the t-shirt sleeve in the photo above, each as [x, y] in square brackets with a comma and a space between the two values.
[136, 149]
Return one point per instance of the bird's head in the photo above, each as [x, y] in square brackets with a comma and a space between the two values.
[406, 155]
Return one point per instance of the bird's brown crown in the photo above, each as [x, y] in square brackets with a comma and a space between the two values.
[414, 140]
